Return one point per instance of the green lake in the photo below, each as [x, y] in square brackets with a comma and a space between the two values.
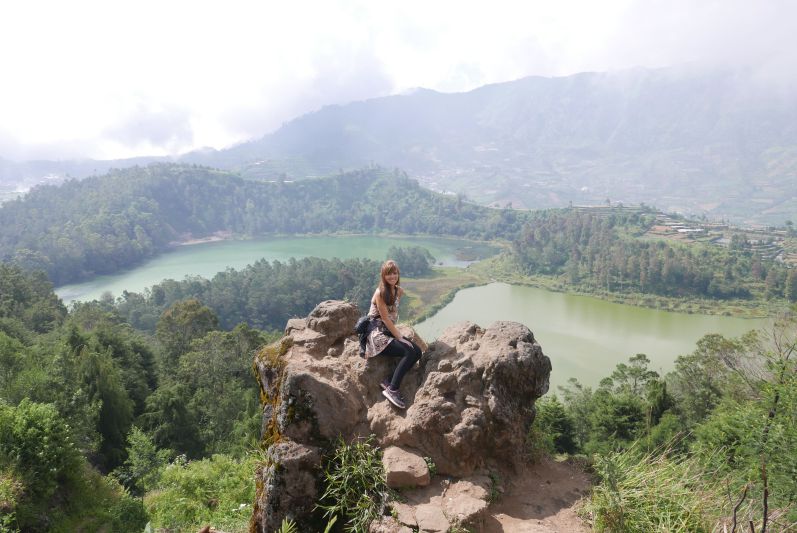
[585, 337]
[206, 259]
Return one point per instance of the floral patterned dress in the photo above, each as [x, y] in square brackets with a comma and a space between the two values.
[378, 334]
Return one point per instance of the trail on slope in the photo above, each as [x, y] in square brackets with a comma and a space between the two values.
[541, 498]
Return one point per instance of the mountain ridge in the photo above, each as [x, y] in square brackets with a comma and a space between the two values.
[716, 143]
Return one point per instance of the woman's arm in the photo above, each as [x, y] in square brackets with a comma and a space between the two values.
[381, 306]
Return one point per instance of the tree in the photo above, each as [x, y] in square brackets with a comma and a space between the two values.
[217, 375]
[791, 286]
[633, 377]
[700, 379]
[579, 402]
[183, 322]
[757, 432]
[38, 444]
[556, 423]
[144, 462]
[773, 284]
[414, 261]
[171, 421]
[103, 383]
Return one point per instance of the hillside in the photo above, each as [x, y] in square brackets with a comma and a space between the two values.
[720, 143]
[696, 142]
[104, 224]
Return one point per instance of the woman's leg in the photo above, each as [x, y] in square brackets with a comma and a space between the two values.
[409, 356]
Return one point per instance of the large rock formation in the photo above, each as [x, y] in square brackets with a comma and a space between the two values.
[470, 402]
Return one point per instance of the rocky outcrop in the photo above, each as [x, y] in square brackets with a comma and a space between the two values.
[470, 402]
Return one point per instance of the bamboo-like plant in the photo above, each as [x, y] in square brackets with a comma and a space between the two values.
[355, 484]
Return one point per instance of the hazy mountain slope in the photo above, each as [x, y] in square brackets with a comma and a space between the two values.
[716, 142]
[29, 173]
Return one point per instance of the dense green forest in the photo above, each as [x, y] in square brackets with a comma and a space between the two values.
[92, 411]
[600, 252]
[104, 224]
[104, 426]
[714, 442]
[264, 295]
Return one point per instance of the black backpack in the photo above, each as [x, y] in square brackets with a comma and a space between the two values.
[361, 327]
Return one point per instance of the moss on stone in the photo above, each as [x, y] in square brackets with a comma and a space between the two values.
[272, 360]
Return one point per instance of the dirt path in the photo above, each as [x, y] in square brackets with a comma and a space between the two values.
[541, 499]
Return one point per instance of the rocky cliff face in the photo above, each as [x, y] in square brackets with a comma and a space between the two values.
[470, 402]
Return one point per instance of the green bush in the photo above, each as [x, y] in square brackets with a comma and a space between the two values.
[98, 503]
[216, 491]
[11, 488]
[144, 463]
[355, 486]
[555, 426]
[45, 484]
[36, 441]
[654, 493]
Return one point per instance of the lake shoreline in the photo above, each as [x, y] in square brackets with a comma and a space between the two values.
[496, 269]
[188, 240]
[580, 332]
[225, 235]
[207, 255]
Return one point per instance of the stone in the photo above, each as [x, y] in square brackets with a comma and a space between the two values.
[405, 514]
[470, 402]
[388, 524]
[430, 519]
[465, 502]
[404, 468]
[289, 478]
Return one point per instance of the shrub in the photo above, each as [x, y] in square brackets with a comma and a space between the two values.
[144, 463]
[36, 441]
[555, 425]
[654, 493]
[11, 489]
[355, 484]
[215, 491]
[98, 503]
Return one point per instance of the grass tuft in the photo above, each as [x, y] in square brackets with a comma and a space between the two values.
[355, 484]
[653, 493]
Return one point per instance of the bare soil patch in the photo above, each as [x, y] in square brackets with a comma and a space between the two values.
[541, 498]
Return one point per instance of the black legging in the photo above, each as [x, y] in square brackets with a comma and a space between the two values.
[409, 356]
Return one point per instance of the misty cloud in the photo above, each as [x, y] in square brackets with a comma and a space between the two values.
[168, 129]
[238, 72]
[733, 34]
[12, 149]
[341, 73]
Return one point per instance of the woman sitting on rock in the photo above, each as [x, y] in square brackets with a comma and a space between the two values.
[383, 336]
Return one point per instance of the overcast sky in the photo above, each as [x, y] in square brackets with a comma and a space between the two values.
[111, 79]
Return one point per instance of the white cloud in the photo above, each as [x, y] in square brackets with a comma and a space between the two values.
[113, 78]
